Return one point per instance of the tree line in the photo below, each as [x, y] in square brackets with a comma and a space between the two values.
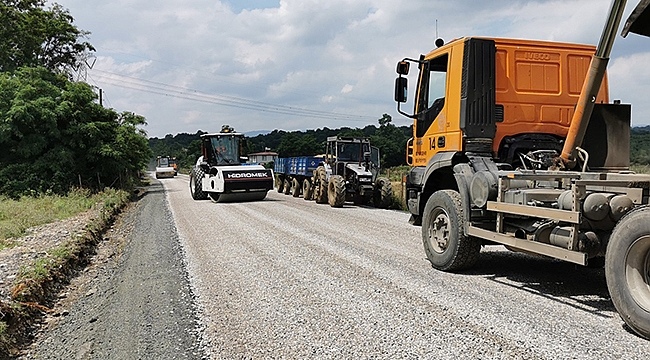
[390, 139]
[54, 134]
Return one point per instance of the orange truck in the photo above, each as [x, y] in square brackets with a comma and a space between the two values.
[517, 143]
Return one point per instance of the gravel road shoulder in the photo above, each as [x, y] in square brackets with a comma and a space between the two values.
[133, 302]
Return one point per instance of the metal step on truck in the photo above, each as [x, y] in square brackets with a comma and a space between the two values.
[516, 143]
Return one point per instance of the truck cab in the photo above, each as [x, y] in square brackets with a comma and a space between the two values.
[509, 100]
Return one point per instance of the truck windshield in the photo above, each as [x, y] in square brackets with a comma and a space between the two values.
[351, 151]
[225, 149]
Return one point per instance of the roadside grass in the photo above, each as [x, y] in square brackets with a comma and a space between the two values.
[36, 281]
[396, 176]
[16, 216]
[640, 169]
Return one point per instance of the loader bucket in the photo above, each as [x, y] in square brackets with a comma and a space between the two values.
[639, 20]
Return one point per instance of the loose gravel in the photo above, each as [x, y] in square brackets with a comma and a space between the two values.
[288, 278]
[133, 302]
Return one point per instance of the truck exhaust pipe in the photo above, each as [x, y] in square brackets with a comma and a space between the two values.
[591, 86]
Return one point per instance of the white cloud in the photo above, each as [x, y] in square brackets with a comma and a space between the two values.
[334, 56]
[347, 88]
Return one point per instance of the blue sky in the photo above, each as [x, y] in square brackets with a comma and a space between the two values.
[306, 64]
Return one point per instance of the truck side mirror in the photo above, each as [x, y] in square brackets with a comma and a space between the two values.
[403, 67]
[401, 89]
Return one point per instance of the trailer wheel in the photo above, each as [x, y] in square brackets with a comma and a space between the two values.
[196, 178]
[287, 186]
[627, 270]
[321, 185]
[306, 189]
[446, 246]
[280, 184]
[383, 194]
[336, 191]
[295, 187]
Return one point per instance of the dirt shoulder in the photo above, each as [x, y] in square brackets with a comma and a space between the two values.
[133, 300]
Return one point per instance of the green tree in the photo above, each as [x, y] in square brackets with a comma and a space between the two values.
[391, 142]
[296, 144]
[54, 134]
[31, 36]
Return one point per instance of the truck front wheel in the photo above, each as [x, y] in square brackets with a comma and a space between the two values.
[446, 246]
[627, 270]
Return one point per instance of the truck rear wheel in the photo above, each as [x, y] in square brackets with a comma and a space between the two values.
[280, 184]
[627, 270]
[446, 246]
[321, 185]
[306, 189]
[383, 193]
[287, 186]
[196, 178]
[336, 191]
[295, 187]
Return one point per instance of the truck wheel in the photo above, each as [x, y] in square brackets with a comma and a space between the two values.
[280, 184]
[383, 193]
[627, 270]
[336, 191]
[442, 233]
[287, 186]
[295, 187]
[306, 189]
[321, 192]
[196, 178]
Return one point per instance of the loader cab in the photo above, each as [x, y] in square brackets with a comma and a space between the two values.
[222, 148]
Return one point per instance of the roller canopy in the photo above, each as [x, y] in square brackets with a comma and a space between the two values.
[639, 20]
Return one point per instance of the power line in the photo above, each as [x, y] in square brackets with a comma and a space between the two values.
[219, 99]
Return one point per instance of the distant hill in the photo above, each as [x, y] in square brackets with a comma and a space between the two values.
[256, 132]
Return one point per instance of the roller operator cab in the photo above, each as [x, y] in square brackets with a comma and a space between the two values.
[221, 175]
[516, 143]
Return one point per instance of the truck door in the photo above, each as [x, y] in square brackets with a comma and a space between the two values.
[431, 108]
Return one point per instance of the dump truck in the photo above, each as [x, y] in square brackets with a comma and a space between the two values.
[349, 171]
[164, 169]
[294, 174]
[516, 143]
[221, 175]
